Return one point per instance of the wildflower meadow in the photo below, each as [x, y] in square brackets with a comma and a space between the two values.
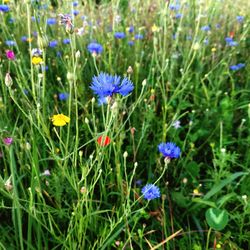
[125, 124]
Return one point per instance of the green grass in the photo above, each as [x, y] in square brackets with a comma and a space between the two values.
[91, 199]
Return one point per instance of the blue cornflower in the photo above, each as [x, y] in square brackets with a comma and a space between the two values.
[241, 65]
[45, 68]
[33, 19]
[51, 21]
[63, 96]
[150, 192]
[131, 29]
[234, 67]
[24, 38]
[11, 20]
[75, 3]
[178, 15]
[206, 41]
[53, 44]
[66, 41]
[237, 66]
[169, 150]
[174, 7]
[119, 35]
[59, 54]
[229, 39]
[131, 43]
[217, 26]
[75, 12]
[95, 48]
[105, 85]
[10, 42]
[240, 19]
[138, 37]
[4, 8]
[232, 44]
[205, 28]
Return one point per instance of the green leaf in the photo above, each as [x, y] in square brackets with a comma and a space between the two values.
[180, 199]
[217, 218]
[216, 188]
[201, 201]
[193, 169]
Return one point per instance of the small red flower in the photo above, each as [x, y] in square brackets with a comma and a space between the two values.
[10, 55]
[231, 34]
[103, 141]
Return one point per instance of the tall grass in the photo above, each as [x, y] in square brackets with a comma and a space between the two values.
[61, 189]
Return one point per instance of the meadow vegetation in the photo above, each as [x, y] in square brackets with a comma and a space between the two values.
[124, 124]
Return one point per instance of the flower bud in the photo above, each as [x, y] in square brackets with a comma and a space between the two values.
[8, 80]
[77, 54]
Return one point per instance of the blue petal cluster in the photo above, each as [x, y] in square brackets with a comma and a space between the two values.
[63, 96]
[51, 21]
[237, 66]
[205, 28]
[105, 85]
[230, 42]
[10, 43]
[138, 37]
[95, 48]
[120, 35]
[240, 19]
[53, 44]
[169, 150]
[66, 41]
[150, 192]
[4, 8]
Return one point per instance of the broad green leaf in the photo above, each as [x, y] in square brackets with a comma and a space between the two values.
[217, 218]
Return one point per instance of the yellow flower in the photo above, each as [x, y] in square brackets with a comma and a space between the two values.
[37, 60]
[60, 120]
[218, 246]
[155, 28]
[29, 40]
[213, 50]
[196, 191]
[6, 1]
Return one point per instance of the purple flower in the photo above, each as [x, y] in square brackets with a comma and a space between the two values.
[169, 150]
[119, 35]
[8, 141]
[95, 48]
[176, 124]
[150, 192]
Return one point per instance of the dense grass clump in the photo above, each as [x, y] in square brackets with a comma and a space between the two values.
[124, 124]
